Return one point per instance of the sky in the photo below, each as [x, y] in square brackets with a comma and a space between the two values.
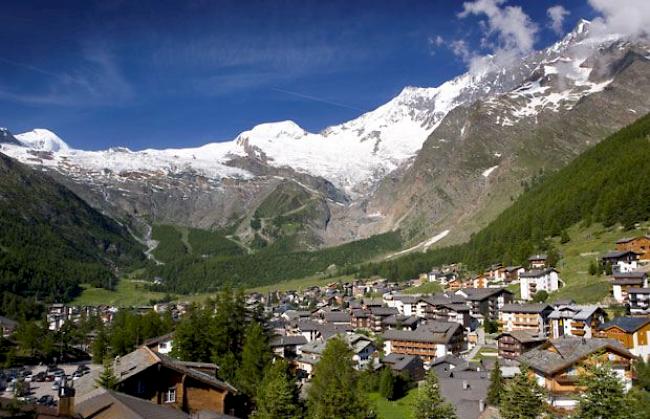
[159, 74]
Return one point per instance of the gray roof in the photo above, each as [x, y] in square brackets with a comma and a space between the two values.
[479, 294]
[383, 311]
[524, 336]
[399, 362]
[541, 256]
[535, 273]
[465, 400]
[627, 281]
[337, 317]
[627, 323]
[635, 274]
[617, 254]
[526, 308]
[574, 312]
[279, 340]
[567, 351]
[114, 404]
[400, 319]
[434, 332]
[639, 291]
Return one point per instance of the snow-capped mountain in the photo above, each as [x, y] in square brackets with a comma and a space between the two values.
[348, 164]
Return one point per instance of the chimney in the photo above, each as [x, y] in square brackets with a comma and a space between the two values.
[65, 407]
[465, 385]
[481, 405]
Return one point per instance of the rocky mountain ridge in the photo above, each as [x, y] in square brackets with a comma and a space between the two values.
[430, 160]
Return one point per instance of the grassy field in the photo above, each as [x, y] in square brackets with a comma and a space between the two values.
[398, 409]
[426, 288]
[127, 293]
[586, 245]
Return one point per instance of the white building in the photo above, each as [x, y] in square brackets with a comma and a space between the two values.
[575, 320]
[531, 282]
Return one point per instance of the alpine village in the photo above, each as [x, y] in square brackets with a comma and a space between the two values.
[479, 249]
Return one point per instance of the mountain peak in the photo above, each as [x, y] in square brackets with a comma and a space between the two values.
[272, 130]
[43, 140]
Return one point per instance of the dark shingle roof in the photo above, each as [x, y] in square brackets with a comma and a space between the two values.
[435, 332]
[337, 317]
[628, 324]
[524, 336]
[277, 341]
[526, 308]
[123, 406]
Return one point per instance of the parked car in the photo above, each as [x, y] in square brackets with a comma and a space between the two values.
[46, 400]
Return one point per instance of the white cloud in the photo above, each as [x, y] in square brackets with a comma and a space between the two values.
[509, 33]
[557, 15]
[626, 17]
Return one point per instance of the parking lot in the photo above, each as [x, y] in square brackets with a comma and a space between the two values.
[39, 389]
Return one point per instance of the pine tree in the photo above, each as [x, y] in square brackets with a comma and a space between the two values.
[429, 403]
[277, 397]
[256, 356]
[107, 378]
[387, 384]
[604, 395]
[100, 345]
[333, 393]
[496, 386]
[522, 398]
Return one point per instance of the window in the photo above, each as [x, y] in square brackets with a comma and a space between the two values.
[170, 395]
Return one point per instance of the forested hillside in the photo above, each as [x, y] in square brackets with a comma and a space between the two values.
[51, 240]
[194, 272]
[609, 184]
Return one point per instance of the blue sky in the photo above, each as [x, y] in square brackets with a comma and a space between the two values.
[183, 73]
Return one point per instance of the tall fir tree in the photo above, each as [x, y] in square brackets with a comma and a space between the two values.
[429, 403]
[277, 397]
[496, 386]
[604, 394]
[333, 393]
[522, 398]
[256, 356]
[192, 338]
[107, 378]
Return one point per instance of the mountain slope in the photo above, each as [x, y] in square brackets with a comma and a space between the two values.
[431, 160]
[609, 184]
[51, 240]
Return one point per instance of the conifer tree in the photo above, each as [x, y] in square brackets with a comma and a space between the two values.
[107, 378]
[522, 398]
[604, 395]
[277, 397]
[496, 386]
[429, 403]
[333, 393]
[256, 356]
[387, 384]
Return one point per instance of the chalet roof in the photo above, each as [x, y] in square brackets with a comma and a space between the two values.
[627, 281]
[279, 340]
[638, 291]
[355, 341]
[204, 377]
[308, 326]
[536, 273]
[626, 323]
[524, 336]
[399, 362]
[401, 319]
[123, 406]
[540, 256]
[635, 274]
[464, 390]
[383, 311]
[158, 339]
[629, 239]
[576, 312]
[513, 268]
[358, 313]
[568, 350]
[336, 317]
[480, 294]
[432, 332]
[615, 254]
[526, 308]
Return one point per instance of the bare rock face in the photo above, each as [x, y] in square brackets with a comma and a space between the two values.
[439, 159]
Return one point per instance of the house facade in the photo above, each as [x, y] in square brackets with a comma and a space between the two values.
[639, 245]
[428, 341]
[533, 281]
[623, 282]
[575, 320]
[528, 317]
[513, 344]
[557, 364]
[632, 332]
